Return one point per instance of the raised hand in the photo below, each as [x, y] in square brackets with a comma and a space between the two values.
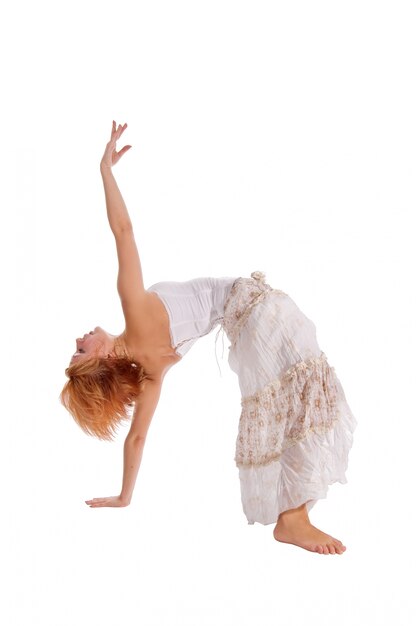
[111, 156]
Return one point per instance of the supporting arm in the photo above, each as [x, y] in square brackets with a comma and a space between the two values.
[146, 404]
[133, 452]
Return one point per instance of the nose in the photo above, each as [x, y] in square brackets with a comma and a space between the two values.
[86, 335]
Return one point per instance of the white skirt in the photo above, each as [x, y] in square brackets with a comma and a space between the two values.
[296, 428]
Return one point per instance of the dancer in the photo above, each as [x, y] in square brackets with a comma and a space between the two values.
[295, 429]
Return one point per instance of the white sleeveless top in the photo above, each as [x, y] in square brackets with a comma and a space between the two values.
[195, 307]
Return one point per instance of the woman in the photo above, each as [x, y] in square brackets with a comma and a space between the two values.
[295, 429]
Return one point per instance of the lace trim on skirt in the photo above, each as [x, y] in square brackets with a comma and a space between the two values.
[303, 399]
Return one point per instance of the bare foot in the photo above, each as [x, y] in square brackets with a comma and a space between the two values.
[294, 527]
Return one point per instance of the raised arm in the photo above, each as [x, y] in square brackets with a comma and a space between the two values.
[130, 284]
[117, 213]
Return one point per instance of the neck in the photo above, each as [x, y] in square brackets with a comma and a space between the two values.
[120, 347]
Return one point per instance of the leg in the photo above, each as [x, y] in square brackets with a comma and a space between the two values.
[294, 526]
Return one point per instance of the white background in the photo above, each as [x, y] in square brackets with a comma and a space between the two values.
[269, 136]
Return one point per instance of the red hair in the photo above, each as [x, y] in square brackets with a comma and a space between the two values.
[101, 391]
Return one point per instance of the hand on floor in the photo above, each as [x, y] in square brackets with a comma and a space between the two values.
[110, 501]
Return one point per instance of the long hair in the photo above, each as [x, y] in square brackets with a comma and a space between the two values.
[101, 391]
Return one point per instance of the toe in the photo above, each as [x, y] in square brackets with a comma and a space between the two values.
[336, 540]
[319, 549]
[326, 551]
[331, 548]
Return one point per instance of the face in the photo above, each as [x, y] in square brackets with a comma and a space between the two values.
[97, 341]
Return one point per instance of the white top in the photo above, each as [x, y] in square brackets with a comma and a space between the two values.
[195, 307]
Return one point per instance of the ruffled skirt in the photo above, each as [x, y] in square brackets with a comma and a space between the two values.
[296, 428]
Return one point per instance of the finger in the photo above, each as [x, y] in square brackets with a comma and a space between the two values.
[115, 133]
[121, 129]
[123, 150]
